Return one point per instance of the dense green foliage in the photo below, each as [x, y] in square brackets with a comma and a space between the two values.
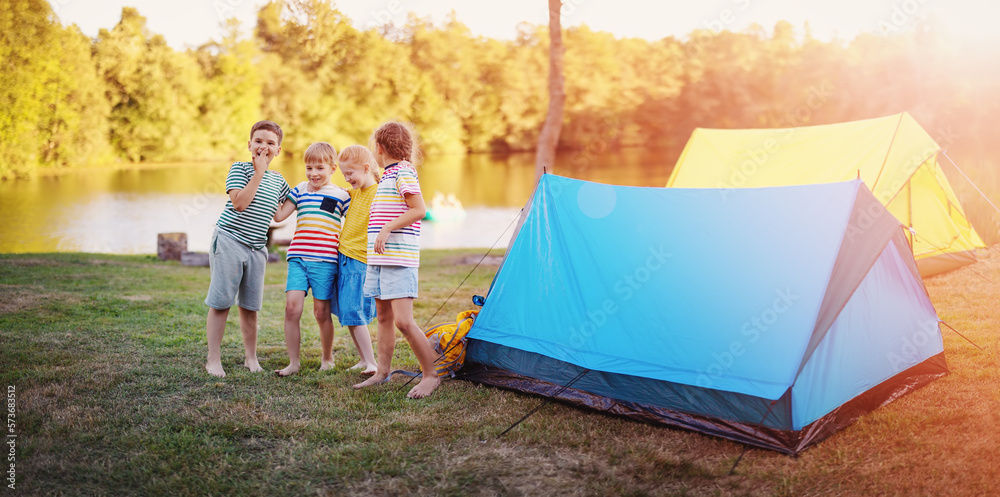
[128, 96]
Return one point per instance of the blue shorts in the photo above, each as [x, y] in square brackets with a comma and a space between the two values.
[318, 275]
[353, 308]
[391, 282]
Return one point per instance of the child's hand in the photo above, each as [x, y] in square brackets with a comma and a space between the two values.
[261, 159]
[380, 240]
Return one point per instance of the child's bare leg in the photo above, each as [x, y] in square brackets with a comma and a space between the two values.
[402, 309]
[363, 341]
[216, 327]
[294, 300]
[386, 340]
[321, 309]
[361, 360]
[248, 326]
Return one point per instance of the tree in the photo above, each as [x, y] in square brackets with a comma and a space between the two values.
[458, 65]
[153, 92]
[327, 80]
[232, 98]
[74, 129]
[27, 32]
[521, 94]
[548, 140]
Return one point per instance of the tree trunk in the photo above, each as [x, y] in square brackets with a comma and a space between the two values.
[548, 140]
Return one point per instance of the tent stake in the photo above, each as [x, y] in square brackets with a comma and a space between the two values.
[738, 459]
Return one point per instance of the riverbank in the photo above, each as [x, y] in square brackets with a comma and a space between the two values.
[105, 354]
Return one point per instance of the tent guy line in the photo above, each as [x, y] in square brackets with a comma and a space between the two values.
[414, 376]
[746, 447]
[945, 154]
[481, 259]
[546, 401]
[963, 336]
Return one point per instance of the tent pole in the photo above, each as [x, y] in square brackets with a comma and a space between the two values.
[909, 211]
[908, 178]
[887, 152]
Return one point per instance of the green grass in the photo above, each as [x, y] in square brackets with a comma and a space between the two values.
[106, 354]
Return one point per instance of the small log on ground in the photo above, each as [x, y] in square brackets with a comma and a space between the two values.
[194, 259]
[170, 246]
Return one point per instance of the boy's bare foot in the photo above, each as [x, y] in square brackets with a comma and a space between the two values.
[374, 380]
[253, 365]
[324, 365]
[359, 365]
[370, 370]
[288, 371]
[425, 388]
[215, 369]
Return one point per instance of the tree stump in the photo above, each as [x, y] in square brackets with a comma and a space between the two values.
[170, 246]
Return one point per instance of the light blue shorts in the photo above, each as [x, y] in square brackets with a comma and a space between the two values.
[353, 308]
[237, 273]
[391, 282]
[318, 275]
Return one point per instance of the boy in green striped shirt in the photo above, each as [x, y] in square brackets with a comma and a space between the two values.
[238, 253]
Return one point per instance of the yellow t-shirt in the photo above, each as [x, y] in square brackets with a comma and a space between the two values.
[354, 233]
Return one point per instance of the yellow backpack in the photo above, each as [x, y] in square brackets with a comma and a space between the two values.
[448, 340]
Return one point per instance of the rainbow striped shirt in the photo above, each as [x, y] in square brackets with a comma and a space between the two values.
[318, 220]
[403, 246]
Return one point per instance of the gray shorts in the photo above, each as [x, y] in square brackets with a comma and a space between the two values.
[237, 274]
[391, 282]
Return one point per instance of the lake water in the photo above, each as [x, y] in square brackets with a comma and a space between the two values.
[122, 211]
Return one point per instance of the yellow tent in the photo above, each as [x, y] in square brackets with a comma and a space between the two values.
[893, 155]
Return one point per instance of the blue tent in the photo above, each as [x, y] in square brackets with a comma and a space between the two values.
[771, 316]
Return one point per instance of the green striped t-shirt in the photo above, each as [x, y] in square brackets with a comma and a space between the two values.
[250, 226]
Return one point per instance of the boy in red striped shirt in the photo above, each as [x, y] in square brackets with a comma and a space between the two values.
[312, 254]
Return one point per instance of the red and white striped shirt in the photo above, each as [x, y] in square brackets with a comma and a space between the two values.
[318, 221]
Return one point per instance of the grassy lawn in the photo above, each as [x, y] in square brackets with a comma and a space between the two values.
[106, 356]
